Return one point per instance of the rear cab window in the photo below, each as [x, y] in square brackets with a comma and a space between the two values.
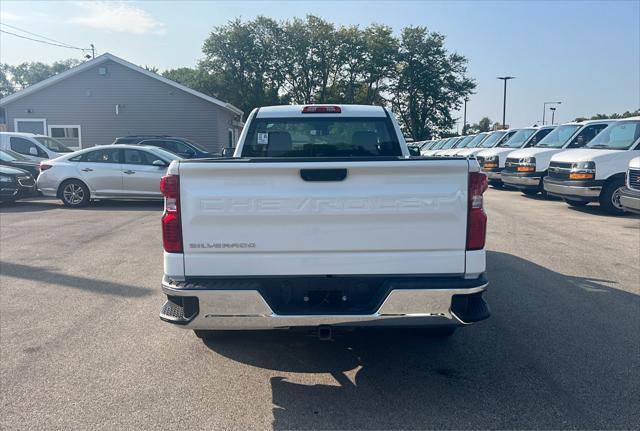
[321, 137]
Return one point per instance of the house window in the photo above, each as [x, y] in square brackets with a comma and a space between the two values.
[30, 125]
[70, 136]
[232, 140]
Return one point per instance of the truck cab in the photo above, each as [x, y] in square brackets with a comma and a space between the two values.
[596, 173]
[525, 168]
[493, 159]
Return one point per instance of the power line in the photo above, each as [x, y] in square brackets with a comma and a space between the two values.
[38, 35]
[43, 41]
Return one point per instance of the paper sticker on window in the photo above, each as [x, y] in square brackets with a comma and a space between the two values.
[263, 138]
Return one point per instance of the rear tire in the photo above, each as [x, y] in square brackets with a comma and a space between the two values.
[496, 184]
[610, 197]
[573, 203]
[74, 194]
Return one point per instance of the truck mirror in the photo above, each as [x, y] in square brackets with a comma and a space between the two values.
[413, 151]
[227, 152]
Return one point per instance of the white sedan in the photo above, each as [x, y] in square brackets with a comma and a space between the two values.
[113, 172]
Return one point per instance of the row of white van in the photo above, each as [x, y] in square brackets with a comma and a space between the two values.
[580, 162]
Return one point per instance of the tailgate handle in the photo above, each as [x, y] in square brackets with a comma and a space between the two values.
[323, 174]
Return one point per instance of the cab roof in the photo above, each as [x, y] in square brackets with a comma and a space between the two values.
[288, 111]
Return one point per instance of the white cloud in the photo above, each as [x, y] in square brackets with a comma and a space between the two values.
[118, 16]
[8, 16]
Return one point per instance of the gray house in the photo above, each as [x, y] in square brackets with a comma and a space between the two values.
[108, 97]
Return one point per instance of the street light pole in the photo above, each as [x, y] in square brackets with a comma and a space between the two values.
[544, 109]
[553, 115]
[504, 102]
[464, 122]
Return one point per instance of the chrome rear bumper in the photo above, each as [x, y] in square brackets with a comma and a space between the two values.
[247, 309]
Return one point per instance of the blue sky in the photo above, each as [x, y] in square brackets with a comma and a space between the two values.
[585, 54]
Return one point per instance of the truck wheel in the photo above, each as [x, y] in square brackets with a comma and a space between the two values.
[573, 203]
[74, 194]
[610, 197]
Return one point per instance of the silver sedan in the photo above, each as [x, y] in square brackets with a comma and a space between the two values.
[113, 172]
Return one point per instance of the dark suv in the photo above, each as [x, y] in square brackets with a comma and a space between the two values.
[180, 146]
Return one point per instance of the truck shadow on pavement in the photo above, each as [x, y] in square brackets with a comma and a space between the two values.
[46, 275]
[558, 352]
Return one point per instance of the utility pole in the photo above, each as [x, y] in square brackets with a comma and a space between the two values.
[504, 102]
[544, 109]
[553, 115]
[464, 122]
[93, 51]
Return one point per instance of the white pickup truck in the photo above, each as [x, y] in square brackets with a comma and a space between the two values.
[322, 219]
[596, 173]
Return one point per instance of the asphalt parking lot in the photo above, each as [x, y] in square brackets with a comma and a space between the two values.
[82, 346]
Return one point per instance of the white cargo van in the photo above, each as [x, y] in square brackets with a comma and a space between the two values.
[34, 147]
[492, 160]
[455, 148]
[596, 173]
[630, 195]
[492, 139]
[524, 169]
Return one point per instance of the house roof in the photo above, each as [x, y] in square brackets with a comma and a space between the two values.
[101, 59]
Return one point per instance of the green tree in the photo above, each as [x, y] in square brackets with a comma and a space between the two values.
[310, 60]
[430, 83]
[28, 73]
[484, 125]
[243, 59]
[614, 116]
[7, 86]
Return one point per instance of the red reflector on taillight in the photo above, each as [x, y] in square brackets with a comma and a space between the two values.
[171, 232]
[321, 109]
[171, 223]
[44, 166]
[170, 186]
[476, 217]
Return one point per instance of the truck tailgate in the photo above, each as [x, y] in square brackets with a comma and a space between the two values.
[248, 218]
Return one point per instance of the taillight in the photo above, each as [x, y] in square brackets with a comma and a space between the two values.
[314, 109]
[171, 224]
[44, 166]
[476, 217]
